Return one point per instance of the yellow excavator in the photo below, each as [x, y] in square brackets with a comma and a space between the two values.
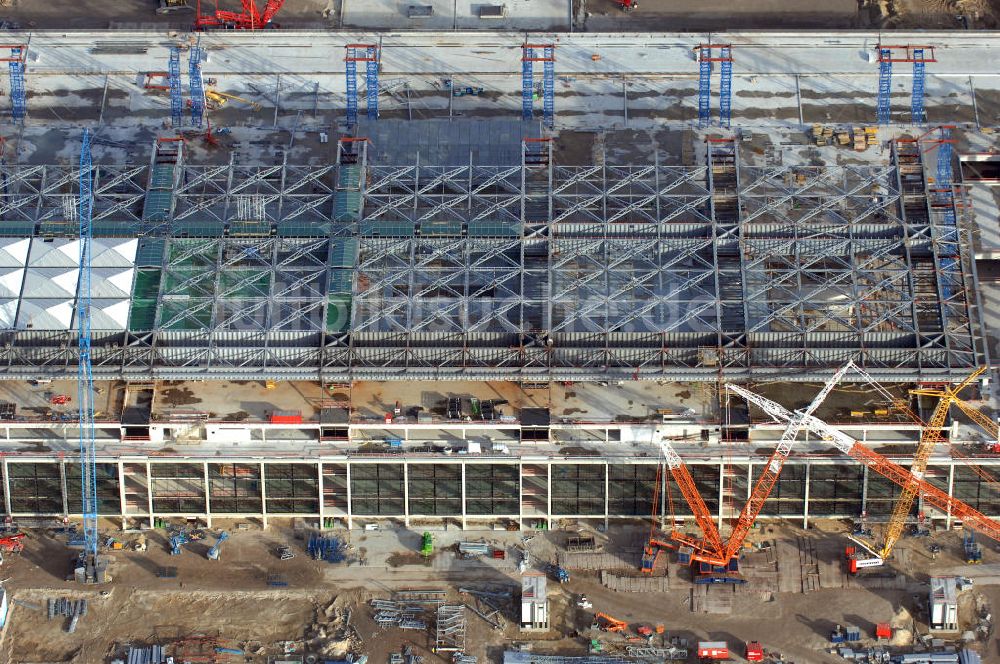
[215, 100]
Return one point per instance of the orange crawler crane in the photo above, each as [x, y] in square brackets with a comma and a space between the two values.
[610, 624]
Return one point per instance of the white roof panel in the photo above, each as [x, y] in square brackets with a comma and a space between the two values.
[55, 253]
[45, 315]
[111, 283]
[8, 313]
[51, 283]
[113, 252]
[11, 279]
[109, 314]
[14, 252]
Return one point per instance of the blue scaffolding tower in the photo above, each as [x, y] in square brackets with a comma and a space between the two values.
[367, 53]
[917, 100]
[919, 56]
[549, 86]
[176, 103]
[18, 96]
[197, 87]
[527, 82]
[944, 155]
[372, 82]
[725, 86]
[884, 85]
[352, 91]
[704, 86]
[548, 60]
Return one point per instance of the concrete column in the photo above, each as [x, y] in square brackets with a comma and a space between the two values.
[864, 491]
[263, 496]
[463, 495]
[65, 491]
[520, 495]
[663, 495]
[951, 492]
[319, 485]
[406, 494]
[722, 483]
[749, 479]
[548, 495]
[121, 490]
[350, 505]
[149, 492]
[208, 496]
[607, 494]
[805, 501]
[6, 484]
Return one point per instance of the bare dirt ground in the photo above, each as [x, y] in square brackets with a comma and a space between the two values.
[230, 600]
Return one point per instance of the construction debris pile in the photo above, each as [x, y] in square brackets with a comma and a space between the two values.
[331, 634]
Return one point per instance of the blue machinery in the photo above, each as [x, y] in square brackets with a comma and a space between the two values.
[919, 56]
[90, 569]
[705, 60]
[369, 54]
[18, 96]
[548, 60]
[213, 553]
[197, 88]
[174, 72]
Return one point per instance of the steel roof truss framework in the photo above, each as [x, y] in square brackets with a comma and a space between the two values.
[530, 271]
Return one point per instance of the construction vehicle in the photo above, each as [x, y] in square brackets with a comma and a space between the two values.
[559, 573]
[427, 545]
[754, 652]
[606, 623]
[215, 100]
[628, 5]
[12, 543]
[177, 540]
[973, 550]
[844, 443]
[213, 553]
[249, 19]
[168, 6]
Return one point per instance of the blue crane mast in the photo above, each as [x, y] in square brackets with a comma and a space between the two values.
[89, 568]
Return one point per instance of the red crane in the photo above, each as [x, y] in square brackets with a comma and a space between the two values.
[248, 19]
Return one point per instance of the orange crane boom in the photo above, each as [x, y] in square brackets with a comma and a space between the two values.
[769, 475]
[892, 471]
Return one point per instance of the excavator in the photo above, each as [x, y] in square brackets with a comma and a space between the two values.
[608, 623]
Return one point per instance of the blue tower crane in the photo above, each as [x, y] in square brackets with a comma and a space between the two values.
[89, 568]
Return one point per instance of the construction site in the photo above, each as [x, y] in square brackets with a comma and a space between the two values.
[475, 334]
